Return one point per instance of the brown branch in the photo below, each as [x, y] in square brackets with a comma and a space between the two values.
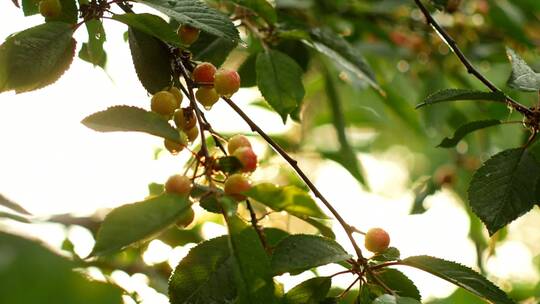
[256, 226]
[294, 164]
[470, 68]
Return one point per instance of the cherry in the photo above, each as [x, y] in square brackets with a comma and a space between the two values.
[207, 96]
[164, 103]
[184, 119]
[377, 240]
[226, 82]
[237, 141]
[188, 34]
[247, 157]
[236, 184]
[178, 95]
[179, 184]
[192, 133]
[185, 218]
[50, 8]
[204, 73]
[174, 147]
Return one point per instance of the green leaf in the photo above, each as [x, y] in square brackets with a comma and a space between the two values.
[217, 203]
[131, 119]
[503, 189]
[151, 59]
[151, 25]
[522, 77]
[247, 72]
[289, 198]
[12, 205]
[389, 299]
[459, 275]
[390, 254]
[30, 7]
[155, 189]
[138, 222]
[252, 265]
[92, 51]
[205, 275]
[279, 79]
[261, 8]
[213, 49]
[229, 164]
[301, 251]
[197, 14]
[461, 94]
[31, 274]
[312, 291]
[323, 227]
[69, 13]
[36, 57]
[465, 129]
[343, 54]
[399, 283]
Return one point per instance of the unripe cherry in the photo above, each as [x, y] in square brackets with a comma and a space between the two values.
[247, 158]
[237, 141]
[184, 119]
[226, 82]
[192, 133]
[164, 103]
[185, 218]
[178, 95]
[235, 185]
[188, 34]
[204, 73]
[207, 97]
[377, 240]
[179, 184]
[50, 8]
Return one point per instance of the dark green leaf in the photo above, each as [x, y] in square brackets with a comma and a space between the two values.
[93, 51]
[461, 94]
[261, 8]
[229, 164]
[69, 12]
[151, 25]
[32, 274]
[131, 119]
[399, 283]
[274, 236]
[289, 198]
[389, 299]
[36, 57]
[248, 75]
[312, 291]
[461, 276]
[198, 15]
[465, 129]
[253, 278]
[503, 189]
[323, 227]
[217, 203]
[138, 222]
[30, 7]
[213, 49]
[522, 77]
[12, 205]
[344, 55]
[390, 254]
[205, 275]
[301, 252]
[279, 79]
[151, 59]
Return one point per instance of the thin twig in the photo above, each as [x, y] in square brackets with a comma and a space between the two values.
[470, 68]
[294, 164]
[344, 293]
[256, 226]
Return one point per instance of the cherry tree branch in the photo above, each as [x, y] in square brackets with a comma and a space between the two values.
[294, 164]
[466, 62]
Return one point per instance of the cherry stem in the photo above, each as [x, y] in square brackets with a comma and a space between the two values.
[470, 68]
[294, 164]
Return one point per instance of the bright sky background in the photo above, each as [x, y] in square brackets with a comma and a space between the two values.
[50, 164]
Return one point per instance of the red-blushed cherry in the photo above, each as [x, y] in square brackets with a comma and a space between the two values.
[179, 184]
[188, 34]
[204, 73]
[207, 97]
[237, 141]
[247, 158]
[235, 185]
[50, 8]
[164, 103]
[226, 82]
[185, 218]
[377, 240]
